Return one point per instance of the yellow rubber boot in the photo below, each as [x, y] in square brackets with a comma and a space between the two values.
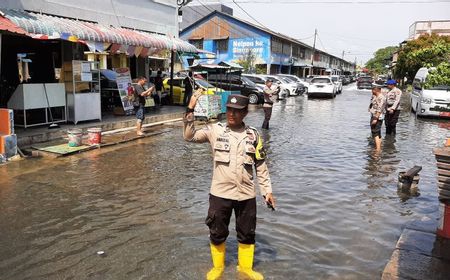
[245, 265]
[218, 259]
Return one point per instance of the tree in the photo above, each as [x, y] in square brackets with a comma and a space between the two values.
[425, 51]
[248, 61]
[382, 57]
[439, 76]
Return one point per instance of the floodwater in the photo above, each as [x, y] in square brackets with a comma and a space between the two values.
[144, 203]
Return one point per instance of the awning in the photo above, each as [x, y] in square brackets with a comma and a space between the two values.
[8, 26]
[232, 65]
[40, 26]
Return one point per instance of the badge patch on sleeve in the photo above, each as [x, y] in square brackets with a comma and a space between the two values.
[260, 151]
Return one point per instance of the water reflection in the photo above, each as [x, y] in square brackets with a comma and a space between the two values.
[144, 203]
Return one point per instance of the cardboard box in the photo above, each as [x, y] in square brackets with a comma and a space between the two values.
[6, 121]
[8, 145]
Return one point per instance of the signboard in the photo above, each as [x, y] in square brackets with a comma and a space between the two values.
[86, 76]
[123, 80]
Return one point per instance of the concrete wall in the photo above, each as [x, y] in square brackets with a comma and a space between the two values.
[159, 16]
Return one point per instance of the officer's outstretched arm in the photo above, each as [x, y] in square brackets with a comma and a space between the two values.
[262, 172]
[189, 132]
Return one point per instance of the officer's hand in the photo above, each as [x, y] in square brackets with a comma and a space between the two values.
[374, 122]
[195, 97]
[270, 199]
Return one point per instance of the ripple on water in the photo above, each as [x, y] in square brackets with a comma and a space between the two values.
[144, 203]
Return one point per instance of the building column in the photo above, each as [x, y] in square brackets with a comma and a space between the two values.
[123, 60]
[268, 69]
[90, 57]
[103, 58]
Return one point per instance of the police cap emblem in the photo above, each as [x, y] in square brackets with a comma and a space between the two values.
[237, 101]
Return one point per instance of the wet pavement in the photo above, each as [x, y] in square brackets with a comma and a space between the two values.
[144, 203]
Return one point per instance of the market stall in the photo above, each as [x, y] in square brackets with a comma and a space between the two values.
[38, 104]
[82, 83]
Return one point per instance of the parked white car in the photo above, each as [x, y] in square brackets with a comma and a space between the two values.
[322, 87]
[433, 101]
[302, 86]
[338, 82]
[287, 87]
[260, 81]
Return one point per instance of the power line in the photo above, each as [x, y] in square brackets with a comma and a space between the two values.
[221, 26]
[239, 6]
[320, 41]
[247, 34]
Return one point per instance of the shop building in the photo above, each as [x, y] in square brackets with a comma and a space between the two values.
[137, 35]
[235, 40]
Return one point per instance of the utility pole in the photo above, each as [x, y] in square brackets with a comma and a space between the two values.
[342, 61]
[313, 51]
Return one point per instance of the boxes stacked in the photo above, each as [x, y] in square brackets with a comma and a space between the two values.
[6, 121]
[8, 140]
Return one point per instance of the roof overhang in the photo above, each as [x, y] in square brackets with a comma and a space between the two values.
[97, 36]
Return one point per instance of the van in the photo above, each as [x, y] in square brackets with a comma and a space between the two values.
[434, 101]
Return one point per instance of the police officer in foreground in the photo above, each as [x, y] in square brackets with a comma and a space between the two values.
[237, 150]
[377, 110]
[392, 107]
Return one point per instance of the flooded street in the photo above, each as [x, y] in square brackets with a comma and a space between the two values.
[339, 215]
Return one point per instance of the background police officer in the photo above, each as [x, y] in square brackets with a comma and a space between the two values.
[270, 95]
[237, 150]
[392, 107]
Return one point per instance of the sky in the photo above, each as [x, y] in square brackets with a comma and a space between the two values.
[357, 27]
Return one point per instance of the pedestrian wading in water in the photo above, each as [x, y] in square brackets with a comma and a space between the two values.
[377, 110]
[237, 151]
[139, 104]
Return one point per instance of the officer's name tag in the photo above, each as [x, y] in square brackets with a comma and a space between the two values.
[222, 139]
[222, 146]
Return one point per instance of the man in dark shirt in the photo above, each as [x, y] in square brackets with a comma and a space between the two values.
[140, 94]
[158, 87]
[188, 87]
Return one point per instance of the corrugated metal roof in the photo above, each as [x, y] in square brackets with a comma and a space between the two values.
[7, 25]
[41, 26]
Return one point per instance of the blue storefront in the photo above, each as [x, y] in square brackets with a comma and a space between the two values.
[234, 40]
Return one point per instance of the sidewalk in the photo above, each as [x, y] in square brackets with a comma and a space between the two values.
[35, 135]
[419, 254]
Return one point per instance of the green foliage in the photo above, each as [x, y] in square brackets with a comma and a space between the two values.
[439, 76]
[382, 57]
[248, 62]
[425, 51]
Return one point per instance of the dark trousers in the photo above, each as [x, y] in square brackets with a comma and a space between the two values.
[219, 214]
[267, 116]
[376, 129]
[391, 122]
[187, 98]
